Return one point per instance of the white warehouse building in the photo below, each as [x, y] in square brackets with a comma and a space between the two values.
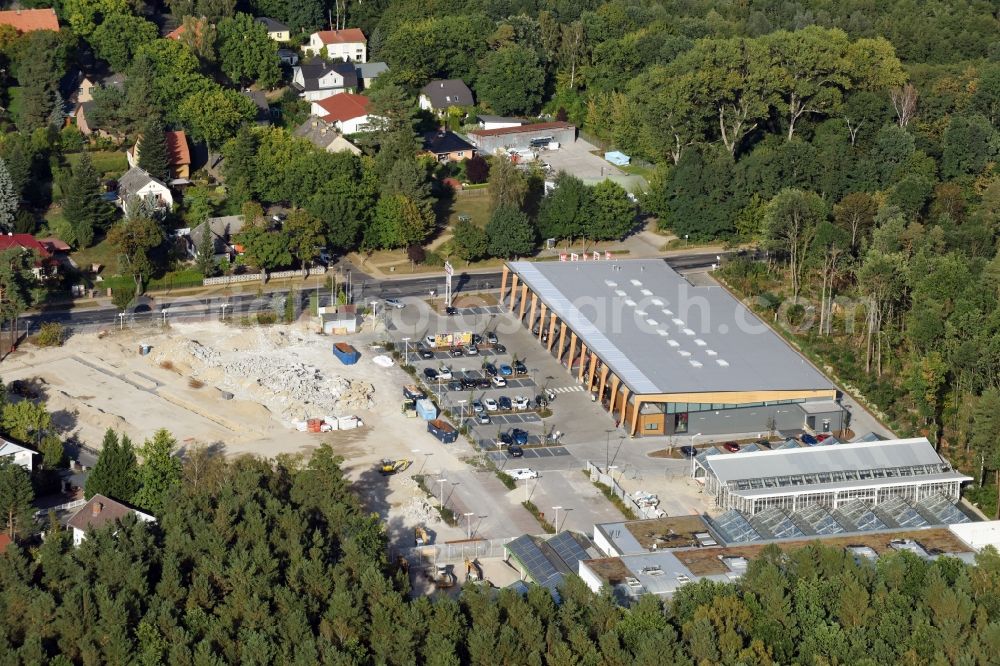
[830, 476]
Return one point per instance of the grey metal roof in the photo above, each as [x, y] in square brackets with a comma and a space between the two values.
[271, 25]
[448, 92]
[660, 334]
[620, 537]
[859, 456]
[369, 70]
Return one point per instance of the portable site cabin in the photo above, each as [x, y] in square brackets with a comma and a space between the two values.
[426, 409]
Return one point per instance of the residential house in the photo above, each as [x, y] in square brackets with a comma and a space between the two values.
[84, 111]
[30, 20]
[263, 108]
[319, 79]
[324, 136]
[439, 96]
[178, 154]
[19, 455]
[55, 245]
[276, 30]
[136, 184]
[348, 44]
[347, 112]
[488, 122]
[222, 230]
[101, 511]
[288, 57]
[45, 264]
[448, 147]
[369, 71]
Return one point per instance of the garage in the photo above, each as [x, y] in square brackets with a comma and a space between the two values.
[524, 137]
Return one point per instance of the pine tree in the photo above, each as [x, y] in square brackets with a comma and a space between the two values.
[116, 473]
[83, 206]
[206, 253]
[160, 473]
[153, 150]
[8, 198]
[16, 496]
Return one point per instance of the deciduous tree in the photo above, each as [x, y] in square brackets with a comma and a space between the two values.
[507, 184]
[511, 80]
[790, 224]
[469, 240]
[133, 238]
[509, 233]
[246, 53]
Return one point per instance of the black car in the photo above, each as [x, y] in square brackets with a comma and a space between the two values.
[456, 352]
[490, 369]
[468, 382]
[491, 338]
[499, 349]
[505, 438]
[455, 385]
[541, 402]
[483, 383]
[520, 368]
[688, 451]
[426, 353]
[504, 403]
[515, 451]
[430, 373]
[451, 310]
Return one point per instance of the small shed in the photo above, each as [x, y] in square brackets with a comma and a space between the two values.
[339, 320]
[427, 410]
[617, 158]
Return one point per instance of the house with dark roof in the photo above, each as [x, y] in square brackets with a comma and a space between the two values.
[439, 96]
[263, 108]
[276, 30]
[347, 112]
[347, 44]
[83, 112]
[222, 229]
[369, 71]
[30, 20]
[319, 79]
[448, 147]
[101, 511]
[288, 57]
[324, 136]
[136, 185]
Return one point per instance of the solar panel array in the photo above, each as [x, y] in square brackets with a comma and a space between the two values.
[528, 553]
[568, 549]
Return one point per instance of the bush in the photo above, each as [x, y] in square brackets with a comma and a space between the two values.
[507, 480]
[51, 335]
[266, 318]
[533, 510]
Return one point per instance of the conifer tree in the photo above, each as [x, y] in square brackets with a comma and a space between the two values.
[153, 150]
[83, 206]
[116, 473]
[8, 198]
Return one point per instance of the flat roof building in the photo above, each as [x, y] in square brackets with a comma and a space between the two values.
[665, 356]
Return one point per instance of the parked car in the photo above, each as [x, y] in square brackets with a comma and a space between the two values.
[483, 383]
[444, 372]
[809, 439]
[519, 436]
[455, 385]
[491, 338]
[426, 353]
[515, 451]
[471, 350]
[732, 447]
[395, 303]
[477, 406]
[451, 310]
[520, 402]
[522, 474]
[490, 370]
[483, 418]
[456, 352]
[688, 451]
[763, 444]
[431, 374]
[520, 368]
[504, 403]
[490, 404]
[506, 370]
[430, 341]
[499, 348]
[467, 383]
[505, 440]
[477, 339]
[499, 381]
[823, 436]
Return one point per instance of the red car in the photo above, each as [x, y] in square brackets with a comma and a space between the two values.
[732, 447]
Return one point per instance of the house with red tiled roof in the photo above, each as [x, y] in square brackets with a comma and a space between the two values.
[347, 44]
[29, 20]
[347, 112]
[101, 511]
[178, 154]
[45, 264]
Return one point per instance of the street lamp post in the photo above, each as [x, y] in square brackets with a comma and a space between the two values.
[468, 517]
[607, 448]
[441, 483]
[224, 306]
[121, 321]
[556, 509]
[406, 351]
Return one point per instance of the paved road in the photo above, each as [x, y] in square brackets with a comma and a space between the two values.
[365, 289]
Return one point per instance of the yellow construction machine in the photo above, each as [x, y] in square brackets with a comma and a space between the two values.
[388, 466]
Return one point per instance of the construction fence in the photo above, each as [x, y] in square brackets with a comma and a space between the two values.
[454, 552]
[597, 475]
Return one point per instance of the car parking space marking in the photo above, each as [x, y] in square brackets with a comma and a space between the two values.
[568, 389]
[559, 451]
[542, 453]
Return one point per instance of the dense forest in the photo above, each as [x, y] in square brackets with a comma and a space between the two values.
[255, 562]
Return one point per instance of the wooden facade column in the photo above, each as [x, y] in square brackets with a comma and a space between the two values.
[615, 382]
[531, 314]
[503, 283]
[604, 379]
[635, 416]
[625, 393]
[562, 341]
[513, 292]
[552, 329]
[541, 321]
[593, 369]
[524, 301]
[583, 362]
[572, 351]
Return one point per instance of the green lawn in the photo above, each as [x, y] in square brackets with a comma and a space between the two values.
[109, 163]
[103, 253]
[476, 206]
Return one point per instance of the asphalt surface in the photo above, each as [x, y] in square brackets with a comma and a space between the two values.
[365, 288]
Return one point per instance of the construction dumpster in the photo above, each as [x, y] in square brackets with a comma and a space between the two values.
[442, 430]
[426, 409]
[347, 354]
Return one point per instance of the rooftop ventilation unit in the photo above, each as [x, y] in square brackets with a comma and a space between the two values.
[611, 283]
[724, 364]
[677, 321]
[683, 353]
[619, 292]
[688, 331]
[711, 352]
[700, 342]
[673, 343]
[652, 322]
[657, 302]
[636, 283]
[629, 302]
[669, 313]
[661, 332]
[695, 364]
[646, 292]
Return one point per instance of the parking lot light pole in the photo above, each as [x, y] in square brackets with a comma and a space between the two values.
[406, 351]
[556, 509]
[607, 448]
[441, 483]
[468, 518]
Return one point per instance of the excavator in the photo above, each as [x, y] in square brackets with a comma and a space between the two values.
[388, 466]
[420, 537]
[441, 576]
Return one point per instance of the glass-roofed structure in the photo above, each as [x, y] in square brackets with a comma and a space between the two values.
[830, 476]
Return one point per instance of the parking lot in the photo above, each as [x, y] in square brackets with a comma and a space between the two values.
[577, 159]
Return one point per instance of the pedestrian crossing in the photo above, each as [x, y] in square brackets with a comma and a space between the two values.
[567, 389]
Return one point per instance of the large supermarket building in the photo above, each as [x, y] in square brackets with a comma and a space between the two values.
[665, 356]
